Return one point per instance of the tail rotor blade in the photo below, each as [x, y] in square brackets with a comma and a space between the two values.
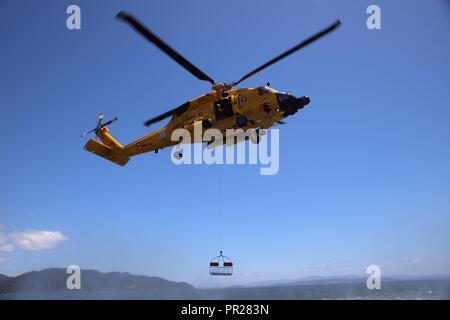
[99, 125]
[100, 119]
[109, 122]
[85, 133]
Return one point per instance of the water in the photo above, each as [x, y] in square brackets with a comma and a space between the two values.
[398, 289]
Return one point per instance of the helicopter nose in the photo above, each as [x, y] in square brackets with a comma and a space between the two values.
[291, 104]
[300, 103]
[304, 101]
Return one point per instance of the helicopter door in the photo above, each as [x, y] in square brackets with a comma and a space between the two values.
[223, 109]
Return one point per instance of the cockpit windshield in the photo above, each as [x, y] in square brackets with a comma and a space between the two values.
[282, 96]
[266, 89]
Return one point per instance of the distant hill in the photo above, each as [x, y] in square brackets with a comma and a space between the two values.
[3, 278]
[54, 280]
[51, 284]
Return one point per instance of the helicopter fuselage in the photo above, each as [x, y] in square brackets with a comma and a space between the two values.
[246, 108]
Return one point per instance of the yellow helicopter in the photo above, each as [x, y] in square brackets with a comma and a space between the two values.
[223, 108]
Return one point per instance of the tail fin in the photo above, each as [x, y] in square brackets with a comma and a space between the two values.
[110, 149]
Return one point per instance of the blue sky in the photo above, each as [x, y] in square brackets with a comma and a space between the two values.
[364, 170]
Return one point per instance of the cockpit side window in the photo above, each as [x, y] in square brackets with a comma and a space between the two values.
[223, 109]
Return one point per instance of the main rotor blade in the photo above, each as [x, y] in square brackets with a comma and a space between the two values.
[163, 116]
[301, 45]
[178, 111]
[150, 36]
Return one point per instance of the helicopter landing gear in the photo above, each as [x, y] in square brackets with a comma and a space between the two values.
[178, 154]
[241, 121]
[255, 135]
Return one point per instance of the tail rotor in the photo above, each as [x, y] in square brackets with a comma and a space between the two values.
[99, 125]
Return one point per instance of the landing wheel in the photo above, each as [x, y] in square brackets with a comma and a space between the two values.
[255, 136]
[241, 121]
[178, 155]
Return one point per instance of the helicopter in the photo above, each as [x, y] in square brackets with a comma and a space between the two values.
[224, 107]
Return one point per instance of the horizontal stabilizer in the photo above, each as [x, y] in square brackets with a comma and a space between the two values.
[105, 152]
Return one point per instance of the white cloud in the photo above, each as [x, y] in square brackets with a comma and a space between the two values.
[7, 247]
[4, 245]
[32, 240]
